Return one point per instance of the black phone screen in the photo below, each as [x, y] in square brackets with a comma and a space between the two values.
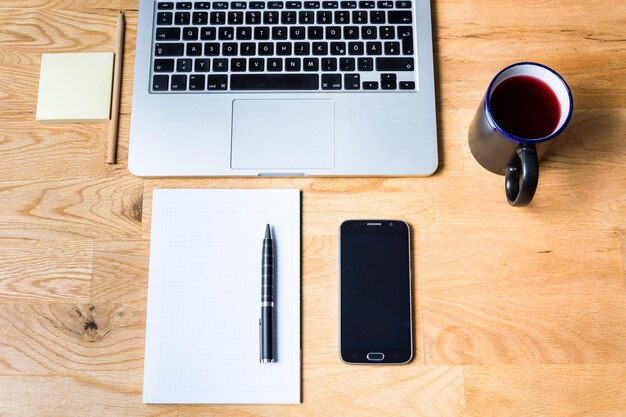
[375, 292]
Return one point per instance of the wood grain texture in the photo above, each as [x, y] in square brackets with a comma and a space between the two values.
[517, 312]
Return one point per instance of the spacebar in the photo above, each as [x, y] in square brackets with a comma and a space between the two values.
[274, 82]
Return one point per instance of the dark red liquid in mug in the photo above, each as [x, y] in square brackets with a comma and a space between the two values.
[526, 107]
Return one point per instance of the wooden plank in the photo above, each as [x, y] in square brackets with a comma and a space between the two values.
[71, 208]
[33, 271]
[546, 390]
[66, 337]
[482, 330]
[75, 395]
[368, 391]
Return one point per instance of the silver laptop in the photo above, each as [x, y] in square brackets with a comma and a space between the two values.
[283, 88]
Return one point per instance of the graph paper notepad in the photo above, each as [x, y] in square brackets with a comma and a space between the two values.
[204, 294]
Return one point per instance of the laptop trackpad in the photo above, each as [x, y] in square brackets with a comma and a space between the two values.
[283, 134]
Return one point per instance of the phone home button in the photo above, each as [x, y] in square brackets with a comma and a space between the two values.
[375, 356]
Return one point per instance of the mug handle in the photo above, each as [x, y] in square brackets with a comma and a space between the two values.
[520, 193]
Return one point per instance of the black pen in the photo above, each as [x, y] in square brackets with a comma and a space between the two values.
[266, 323]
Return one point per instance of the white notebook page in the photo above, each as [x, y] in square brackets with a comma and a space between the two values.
[204, 294]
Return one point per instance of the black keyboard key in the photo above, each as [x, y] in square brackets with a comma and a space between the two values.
[342, 17]
[405, 33]
[369, 32]
[220, 5]
[205, 5]
[220, 65]
[352, 81]
[374, 48]
[164, 18]
[329, 64]
[397, 16]
[266, 48]
[217, 82]
[387, 32]
[168, 34]
[238, 64]
[275, 4]
[253, 18]
[388, 85]
[288, 18]
[333, 32]
[238, 5]
[388, 77]
[257, 64]
[261, 33]
[356, 48]
[320, 48]
[395, 64]
[257, 4]
[377, 16]
[194, 49]
[200, 18]
[294, 5]
[196, 82]
[182, 18]
[207, 33]
[274, 64]
[296, 32]
[370, 85]
[359, 16]
[270, 18]
[218, 18]
[184, 5]
[330, 4]
[315, 32]
[392, 48]
[244, 33]
[229, 48]
[202, 65]
[274, 82]
[367, 4]
[306, 17]
[247, 49]
[347, 64]
[365, 64]
[166, 6]
[179, 82]
[337, 48]
[160, 82]
[331, 81]
[407, 85]
[169, 49]
[283, 48]
[301, 48]
[163, 65]
[386, 4]
[324, 17]
[292, 64]
[211, 49]
[235, 18]
[403, 4]
[311, 64]
[226, 33]
[351, 32]
[279, 33]
[311, 4]
[348, 4]
[183, 65]
[189, 34]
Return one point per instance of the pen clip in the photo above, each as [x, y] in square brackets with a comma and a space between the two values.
[260, 344]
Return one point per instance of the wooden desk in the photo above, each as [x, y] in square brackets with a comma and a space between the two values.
[519, 312]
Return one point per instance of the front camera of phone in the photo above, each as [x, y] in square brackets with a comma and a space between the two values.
[390, 224]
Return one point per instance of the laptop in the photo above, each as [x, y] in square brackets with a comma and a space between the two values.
[283, 88]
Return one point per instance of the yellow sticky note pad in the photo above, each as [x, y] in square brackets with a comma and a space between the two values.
[75, 87]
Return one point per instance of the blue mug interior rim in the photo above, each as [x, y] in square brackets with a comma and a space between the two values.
[518, 139]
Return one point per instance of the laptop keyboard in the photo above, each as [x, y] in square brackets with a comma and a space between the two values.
[222, 46]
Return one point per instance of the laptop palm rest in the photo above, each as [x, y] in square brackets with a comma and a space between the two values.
[283, 134]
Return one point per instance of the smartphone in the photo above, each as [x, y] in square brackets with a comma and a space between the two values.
[375, 292]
